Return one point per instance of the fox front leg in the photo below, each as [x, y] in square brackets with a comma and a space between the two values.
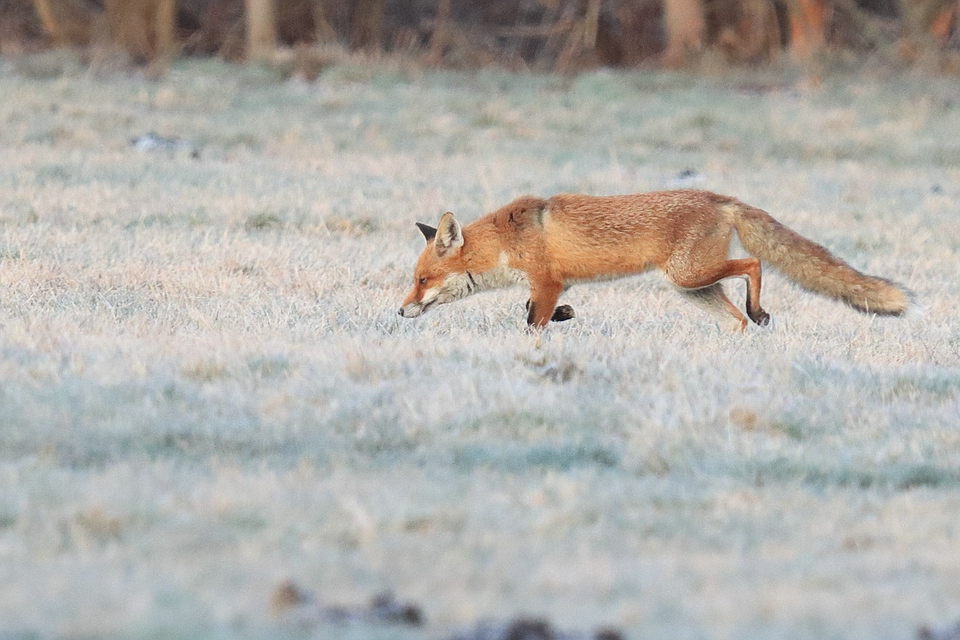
[560, 314]
[543, 302]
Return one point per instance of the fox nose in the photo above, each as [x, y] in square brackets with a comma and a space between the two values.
[400, 312]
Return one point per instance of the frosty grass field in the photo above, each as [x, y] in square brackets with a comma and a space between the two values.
[205, 388]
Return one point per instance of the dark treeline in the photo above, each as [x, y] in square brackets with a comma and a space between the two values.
[560, 35]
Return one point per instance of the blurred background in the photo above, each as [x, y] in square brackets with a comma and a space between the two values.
[539, 35]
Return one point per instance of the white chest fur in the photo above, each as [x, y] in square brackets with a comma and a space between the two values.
[499, 277]
[460, 285]
[502, 275]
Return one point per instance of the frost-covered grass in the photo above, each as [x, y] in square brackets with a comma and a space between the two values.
[205, 388]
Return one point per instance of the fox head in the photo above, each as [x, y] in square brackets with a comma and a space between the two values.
[441, 274]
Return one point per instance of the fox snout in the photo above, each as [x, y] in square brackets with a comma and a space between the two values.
[414, 309]
[411, 310]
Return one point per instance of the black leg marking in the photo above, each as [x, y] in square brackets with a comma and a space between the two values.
[562, 313]
[531, 312]
[759, 316]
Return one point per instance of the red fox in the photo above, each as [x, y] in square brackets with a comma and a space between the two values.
[555, 243]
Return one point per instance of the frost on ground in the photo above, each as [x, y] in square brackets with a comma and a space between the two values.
[205, 389]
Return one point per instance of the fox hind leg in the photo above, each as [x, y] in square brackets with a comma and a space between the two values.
[712, 299]
[752, 276]
[747, 268]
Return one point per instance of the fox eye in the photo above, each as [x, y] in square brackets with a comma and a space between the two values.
[422, 281]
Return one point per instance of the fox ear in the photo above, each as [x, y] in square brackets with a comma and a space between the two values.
[449, 236]
[428, 232]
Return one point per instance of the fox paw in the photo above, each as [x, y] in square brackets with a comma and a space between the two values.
[562, 313]
[761, 317]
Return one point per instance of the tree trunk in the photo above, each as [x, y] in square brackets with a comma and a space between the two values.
[940, 27]
[441, 33]
[366, 25]
[591, 22]
[325, 32]
[164, 24]
[50, 24]
[807, 23]
[685, 26]
[926, 25]
[261, 30]
[753, 32]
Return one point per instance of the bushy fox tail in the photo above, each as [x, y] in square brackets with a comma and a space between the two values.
[812, 266]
